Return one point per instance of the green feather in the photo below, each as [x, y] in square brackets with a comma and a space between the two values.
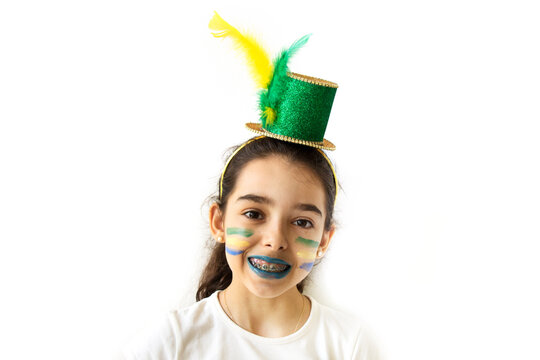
[272, 96]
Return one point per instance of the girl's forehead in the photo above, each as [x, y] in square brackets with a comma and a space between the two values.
[281, 168]
[280, 179]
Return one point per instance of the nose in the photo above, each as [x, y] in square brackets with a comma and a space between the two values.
[275, 236]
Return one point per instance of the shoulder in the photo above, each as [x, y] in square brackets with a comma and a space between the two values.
[340, 322]
[163, 338]
[349, 329]
[157, 341]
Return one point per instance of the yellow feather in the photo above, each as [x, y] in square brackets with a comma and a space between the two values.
[270, 115]
[258, 60]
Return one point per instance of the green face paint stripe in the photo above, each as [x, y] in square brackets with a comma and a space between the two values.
[307, 242]
[239, 231]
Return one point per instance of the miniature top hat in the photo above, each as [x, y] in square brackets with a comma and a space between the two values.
[293, 107]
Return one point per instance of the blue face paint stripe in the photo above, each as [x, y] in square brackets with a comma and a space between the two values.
[232, 251]
[306, 266]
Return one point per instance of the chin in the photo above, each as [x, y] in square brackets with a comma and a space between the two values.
[269, 289]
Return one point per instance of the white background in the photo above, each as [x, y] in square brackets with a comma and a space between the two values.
[114, 117]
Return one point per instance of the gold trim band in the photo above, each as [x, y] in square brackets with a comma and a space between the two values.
[312, 80]
[257, 128]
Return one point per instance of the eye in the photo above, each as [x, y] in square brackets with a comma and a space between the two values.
[253, 214]
[306, 224]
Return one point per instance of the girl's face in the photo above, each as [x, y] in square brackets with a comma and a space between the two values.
[273, 225]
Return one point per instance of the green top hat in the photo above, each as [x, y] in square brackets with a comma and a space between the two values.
[293, 107]
[302, 114]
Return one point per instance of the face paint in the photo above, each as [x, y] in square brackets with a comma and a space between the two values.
[234, 244]
[232, 251]
[306, 255]
[307, 266]
[239, 231]
[307, 242]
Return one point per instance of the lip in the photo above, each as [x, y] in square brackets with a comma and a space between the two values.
[270, 259]
[267, 274]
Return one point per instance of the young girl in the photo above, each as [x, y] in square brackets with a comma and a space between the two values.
[271, 222]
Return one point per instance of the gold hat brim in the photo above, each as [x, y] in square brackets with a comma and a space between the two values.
[257, 128]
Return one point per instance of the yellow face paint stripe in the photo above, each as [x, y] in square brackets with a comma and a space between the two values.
[306, 255]
[236, 242]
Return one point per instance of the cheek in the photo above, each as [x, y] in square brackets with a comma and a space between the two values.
[307, 252]
[235, 245]
[237, 240]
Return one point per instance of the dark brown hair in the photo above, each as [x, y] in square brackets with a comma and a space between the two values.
[217, 275]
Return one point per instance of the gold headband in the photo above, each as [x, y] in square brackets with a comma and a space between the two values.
[257, 138]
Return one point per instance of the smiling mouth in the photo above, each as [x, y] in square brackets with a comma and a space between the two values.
[267, 266]
[272, 267]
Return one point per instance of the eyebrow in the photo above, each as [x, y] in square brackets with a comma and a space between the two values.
[256, 198]
[264, 200]
[309, 207]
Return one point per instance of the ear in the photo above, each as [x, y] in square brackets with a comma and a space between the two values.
[216, 223]
[325, 241]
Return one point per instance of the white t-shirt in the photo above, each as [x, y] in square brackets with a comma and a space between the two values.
[204, 331]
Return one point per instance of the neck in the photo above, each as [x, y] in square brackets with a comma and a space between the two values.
[265, 316]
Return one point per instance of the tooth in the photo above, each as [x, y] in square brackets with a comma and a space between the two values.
[266, 266]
